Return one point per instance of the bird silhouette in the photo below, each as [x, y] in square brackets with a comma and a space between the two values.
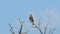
[31, 19]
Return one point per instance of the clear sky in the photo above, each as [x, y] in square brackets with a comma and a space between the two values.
[11, 10]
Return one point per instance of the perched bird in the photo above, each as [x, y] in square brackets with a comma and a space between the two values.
[31, 19]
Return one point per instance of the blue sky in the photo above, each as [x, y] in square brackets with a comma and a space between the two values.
[11, 10]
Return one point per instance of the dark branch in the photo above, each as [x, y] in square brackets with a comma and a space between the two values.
[45, 29]
[11, 30]
[21, 23]
[20, 29]
[51, 30]
[38, 27]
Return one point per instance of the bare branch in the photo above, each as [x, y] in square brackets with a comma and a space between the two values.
[45, 29]
[20, 29]
[40, 30]
[25, 32]
[21, 23]
[38, 27]
[11, 30]
[52, 30]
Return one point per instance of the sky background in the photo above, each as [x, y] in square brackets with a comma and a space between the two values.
[12, 10]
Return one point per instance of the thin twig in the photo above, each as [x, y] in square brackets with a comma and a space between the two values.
[51, 30]
[11, 30]
[21, 23]
[20, 29]
[38, 27]
[45, 29]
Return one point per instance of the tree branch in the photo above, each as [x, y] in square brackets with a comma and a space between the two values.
[38, 27]
[21, 23]
[45, 29]
[11, 30]
[52, 30]
[20, 29]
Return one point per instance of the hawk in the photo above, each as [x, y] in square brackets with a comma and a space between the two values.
[31, 19]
